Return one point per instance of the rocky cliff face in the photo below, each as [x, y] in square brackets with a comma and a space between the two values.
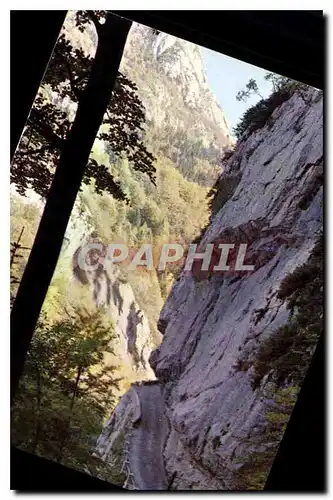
[214, 414]
[171, 82]
[108, 289]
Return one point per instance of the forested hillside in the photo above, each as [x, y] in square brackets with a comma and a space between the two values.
[186, 132]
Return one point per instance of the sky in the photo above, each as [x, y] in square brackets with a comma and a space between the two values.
[226, 76]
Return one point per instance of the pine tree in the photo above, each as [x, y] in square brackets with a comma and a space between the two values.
[66, 390]
[250, 89]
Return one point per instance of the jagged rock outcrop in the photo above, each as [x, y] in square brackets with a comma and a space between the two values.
[212, 406]
[214, 414]
[108, 290]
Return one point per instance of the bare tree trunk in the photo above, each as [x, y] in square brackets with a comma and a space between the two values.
[77, 381]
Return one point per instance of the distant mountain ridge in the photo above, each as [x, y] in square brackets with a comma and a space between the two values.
[175, 90]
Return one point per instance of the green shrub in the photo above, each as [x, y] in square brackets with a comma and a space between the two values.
[256, 117]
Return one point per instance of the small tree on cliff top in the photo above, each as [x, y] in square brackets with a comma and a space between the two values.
[257, 115]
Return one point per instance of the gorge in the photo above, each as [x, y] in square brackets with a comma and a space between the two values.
[203, 396]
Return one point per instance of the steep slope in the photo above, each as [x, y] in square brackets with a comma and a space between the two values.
[171, 80]
[174, 90]
[185, 122]
[213, 327]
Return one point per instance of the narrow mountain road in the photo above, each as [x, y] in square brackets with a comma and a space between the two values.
[148, 439]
